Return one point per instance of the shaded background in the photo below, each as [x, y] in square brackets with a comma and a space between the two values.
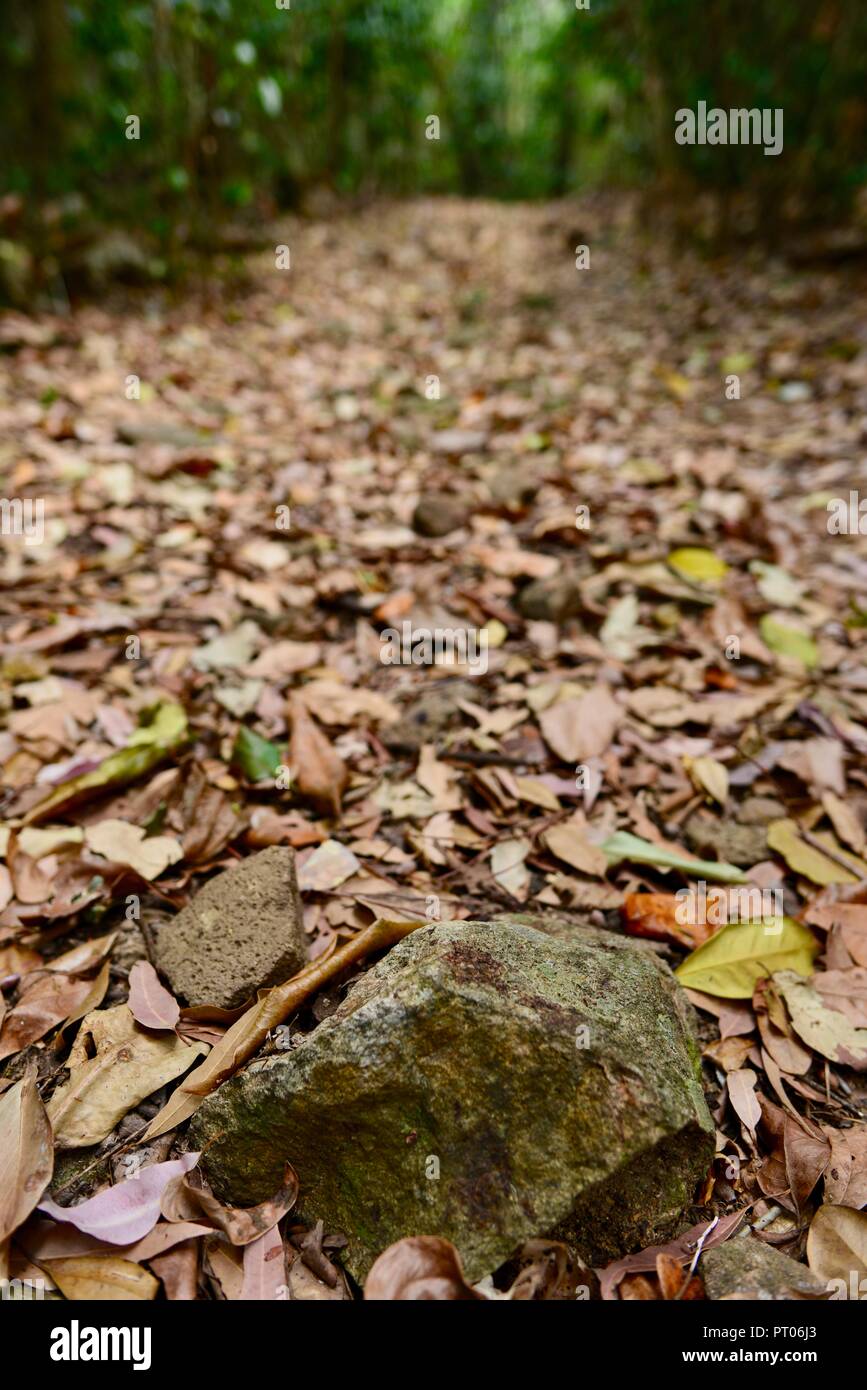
[247, 109]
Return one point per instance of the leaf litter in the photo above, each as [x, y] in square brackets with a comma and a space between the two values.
[674, 694]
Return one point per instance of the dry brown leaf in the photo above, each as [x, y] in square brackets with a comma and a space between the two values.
[419, 1268]
[577, 730]
[317, 771]
[150, 1003]
[26, 1153]
[837, 1243]
[103, 1278]
[566, 842]
[113, 1065]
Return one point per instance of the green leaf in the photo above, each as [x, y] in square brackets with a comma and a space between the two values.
[621, 845]
[256, 757]
[698, 565]
[788, 641]
[147, 747]
[732, 962]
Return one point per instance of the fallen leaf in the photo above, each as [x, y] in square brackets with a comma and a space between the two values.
[837, 1244]
[621, 845]
[788, 641]
[330, 864]
[103, 1278]
[739, 955]
[803, 858]
[566, 842]
[149, 1002]
[26, 1153]
[147, 747]
[742, 1095]
[825, 1030]
[124, 1213]
[122, 843]
[318, 772]
[113, 1065]
[577, 730]
[697, 565]
[255, 756]
[419, 1268]
[264, 1269]
[188, 1198]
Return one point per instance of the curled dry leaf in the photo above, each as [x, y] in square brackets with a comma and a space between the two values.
[26, 1153]
[419, 1268]
[317, 771]
[189, 1198]
[150, 1003]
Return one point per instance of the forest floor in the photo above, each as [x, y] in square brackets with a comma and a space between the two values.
[631, 465]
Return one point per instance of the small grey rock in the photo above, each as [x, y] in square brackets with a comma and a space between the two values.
[747, 1267]
[551, 600]
[727, 840]
[243, 931]
[439, 513]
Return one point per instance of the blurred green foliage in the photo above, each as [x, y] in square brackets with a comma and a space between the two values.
[245, 105]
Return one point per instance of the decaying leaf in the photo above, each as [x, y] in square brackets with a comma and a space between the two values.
[317, 771]
[26, 1153]
[419, 1268]
[837, 1245]
[825, 1030]
[122, 843]
[128, 1064]
[124, 1213]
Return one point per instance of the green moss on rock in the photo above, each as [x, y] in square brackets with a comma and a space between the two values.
[487, 1083]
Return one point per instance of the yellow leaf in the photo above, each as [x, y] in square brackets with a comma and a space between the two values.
[709, 776]
[697, 565]
[731, 963]
[803, 858]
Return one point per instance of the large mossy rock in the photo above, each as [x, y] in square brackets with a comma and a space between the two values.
[486, 1083]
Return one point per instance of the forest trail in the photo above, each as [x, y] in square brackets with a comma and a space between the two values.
[619, 475]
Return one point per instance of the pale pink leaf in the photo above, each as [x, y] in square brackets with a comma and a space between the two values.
[149, 1001]
[264, 1269]
[126, 1212]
